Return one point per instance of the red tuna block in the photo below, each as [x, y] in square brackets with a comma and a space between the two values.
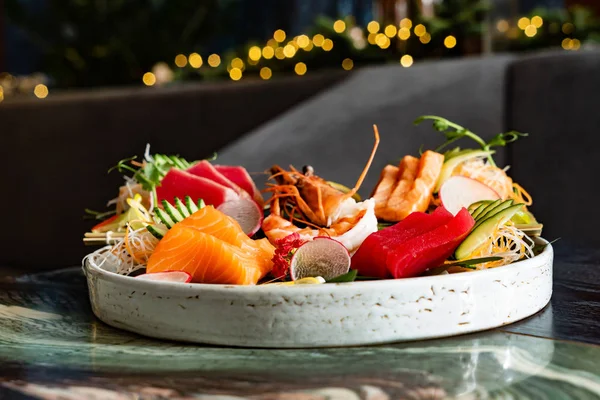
[178, 183]
[430, 249]
[242, 178]
[204, 169]
[371, 257]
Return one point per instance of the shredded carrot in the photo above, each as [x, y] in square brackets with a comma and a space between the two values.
[520, 195]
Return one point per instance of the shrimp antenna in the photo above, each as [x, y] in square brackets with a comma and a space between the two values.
[362, 176]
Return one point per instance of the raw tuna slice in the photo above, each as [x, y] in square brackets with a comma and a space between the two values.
[430, 249]
[178, 183]
[242, 178]
[371, 257]
[204, 169]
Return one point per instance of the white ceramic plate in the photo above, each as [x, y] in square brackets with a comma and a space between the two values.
[343, 314]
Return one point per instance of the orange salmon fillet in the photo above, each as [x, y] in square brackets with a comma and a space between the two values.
[385, 186]
[407, 172]
[206, 258]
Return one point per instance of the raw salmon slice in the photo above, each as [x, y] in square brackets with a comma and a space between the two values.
[206, 258]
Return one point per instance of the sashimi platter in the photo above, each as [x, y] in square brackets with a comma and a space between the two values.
[445, 244]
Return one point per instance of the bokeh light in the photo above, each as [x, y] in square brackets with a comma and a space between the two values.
[195, 60]
[406, 23]
[149, 79]
[214, 60]
[390, 31]
[530, 31]
[254, 53]
[279, 35]
[347, 64]
[181, 60]
[235, 74]
[420, 30]
[403, 33]
[327, 44]
[373, 27]
[318, 40]
[537, 21]
[300, 68]
[266, 73]
[450, 41]
[289, 51]
[406, 61]
[502, 26]
[339, 26]
[41, 91]
[523, 23]
[268, 52]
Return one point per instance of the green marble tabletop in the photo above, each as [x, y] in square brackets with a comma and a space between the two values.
[52, 347]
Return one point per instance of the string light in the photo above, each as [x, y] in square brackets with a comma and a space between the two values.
[149, 79]
[339, 26]
[406, 23]
[530, 31]
[279, 53]
[195, 60]
[272, 43]
[382, 41]
[214, 60]
[310, 46]
[567, 44]
[373, 27]
[568, 28]
[294, 44]
[371, 38]
[268, 52]
[300, 68]
[279, 35]
[502, 25]
[237, 63]
[420, 30]
[537, 21]
[347, 64]
[576, 44]
[266, 73]
[40, 91]
[181, 60]
[406, 61]
[390, 31]
[252, 62]
[1, 93]
[523, 23]
[289, 51]
[235, 74]
[450, 41]
[318, 40]
[426, 38]
[403, 33]
[303, 41]
[327, 44]
[254, 53]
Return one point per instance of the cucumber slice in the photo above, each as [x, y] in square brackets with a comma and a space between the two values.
[480, 234]
[192, 208]
[478, 210]
[493, 212]
[157, 231]
[164, 217]
[181, 208]
[487, 209]
[172, 211]
[201, 203]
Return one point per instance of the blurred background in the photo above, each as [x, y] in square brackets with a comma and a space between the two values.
[52, 45]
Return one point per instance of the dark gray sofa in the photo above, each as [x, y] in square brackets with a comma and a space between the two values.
[58, 153]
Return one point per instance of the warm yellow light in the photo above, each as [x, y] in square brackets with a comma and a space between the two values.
[237, 63]
[214, 60]
[406, 23]
[568, 28]
[381, 40]
[523, 23]
[403, 33]
[303, 41]
[426, 38]
[279, 53]
[252, 62]
[1, 96]
[235, 74]
[327, 44]
[254, 53]
[576, 44]
[300, 68]
[195, 60]
[289, 51]
[268, 52]
[450, 41]
[567, 44]
[279, 35]
[406, 61]
[149, 79]
[339, 26]
[272, 43]
[371, 38]
[373, 27]
[347, 64]
[318, 40]
[294, 44]
[502, 26]
[181, 60]
[390, 31]
[420, 30]
[530, 31]
[537, 21]
[310, 46]
[266, 73]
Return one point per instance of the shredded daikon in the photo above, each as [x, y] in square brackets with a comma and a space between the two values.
[507, 242]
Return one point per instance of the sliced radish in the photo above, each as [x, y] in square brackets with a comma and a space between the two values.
[246, 212]
[167, 276]
[322, 256]
[459, 191]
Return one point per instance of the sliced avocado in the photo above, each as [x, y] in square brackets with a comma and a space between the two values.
[481, 233]
[455, 161]
[502, 206]
[476, 205]
[487, 208]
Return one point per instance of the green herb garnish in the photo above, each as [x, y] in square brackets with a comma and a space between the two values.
[347, 277]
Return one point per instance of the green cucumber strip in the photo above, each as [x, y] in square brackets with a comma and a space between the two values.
[157, 231]
[475, 205]
[181, 208]
[478, 210]
[192, 208]
[488, 208]
[172, 211]
[164, 217]
[201, 203]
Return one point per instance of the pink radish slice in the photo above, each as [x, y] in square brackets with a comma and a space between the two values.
[167, 276]
[459, 191]
[322, 256]
[246, 212]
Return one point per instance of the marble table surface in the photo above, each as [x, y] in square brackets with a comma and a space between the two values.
[52, 347]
